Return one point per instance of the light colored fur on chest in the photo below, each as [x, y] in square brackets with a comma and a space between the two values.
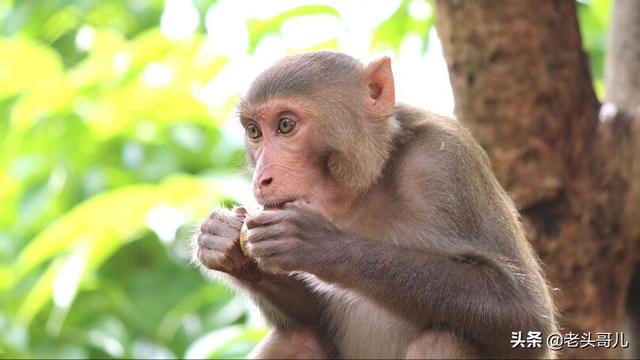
[361, 328]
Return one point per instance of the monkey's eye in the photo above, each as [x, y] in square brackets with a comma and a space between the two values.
[253, 131]
[285, 125]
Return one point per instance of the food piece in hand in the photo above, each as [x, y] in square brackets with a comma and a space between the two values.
[243, 239]
[244, 229]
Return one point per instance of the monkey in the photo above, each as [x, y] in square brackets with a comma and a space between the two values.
[384, 233]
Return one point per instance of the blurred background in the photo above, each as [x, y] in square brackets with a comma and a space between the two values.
[117, 134]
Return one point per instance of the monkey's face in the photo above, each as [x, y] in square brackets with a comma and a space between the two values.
[286, 157]
[317, 130]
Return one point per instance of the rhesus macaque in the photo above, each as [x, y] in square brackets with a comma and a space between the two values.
[384, 232]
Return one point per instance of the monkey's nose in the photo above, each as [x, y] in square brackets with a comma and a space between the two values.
[264, 182]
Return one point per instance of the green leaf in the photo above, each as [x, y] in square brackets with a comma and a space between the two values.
[46, 98]
[258, 29]
[211, 296]
[398, 26]
[24, 64]
[101, 225]
[594, 17]
[39, 294]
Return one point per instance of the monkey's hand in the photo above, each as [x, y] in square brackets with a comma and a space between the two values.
[218, 245]
[292, 239]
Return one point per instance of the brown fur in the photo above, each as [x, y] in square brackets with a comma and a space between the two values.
[408, 245]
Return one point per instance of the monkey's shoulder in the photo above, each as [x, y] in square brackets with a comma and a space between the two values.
[427, 139]
[439, 168]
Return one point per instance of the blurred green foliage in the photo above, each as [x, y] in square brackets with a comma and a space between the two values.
[105, 170]
[594, 18]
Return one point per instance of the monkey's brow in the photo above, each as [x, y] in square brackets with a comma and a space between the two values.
[242, 109]
[244, 115]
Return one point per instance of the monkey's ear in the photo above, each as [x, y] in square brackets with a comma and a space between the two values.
[382, 94]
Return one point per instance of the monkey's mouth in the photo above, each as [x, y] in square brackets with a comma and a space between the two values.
[276, 204]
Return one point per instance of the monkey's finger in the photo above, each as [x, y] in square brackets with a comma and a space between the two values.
[264, 218]
[214, 260]
[225, 217]
[266, 249]
[214, 242]
[236, 255]
[224, 246]
[215, 227]
[264, 233]
[241, 212]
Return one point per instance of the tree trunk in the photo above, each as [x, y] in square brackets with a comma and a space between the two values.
[622, 73]
[522, 85]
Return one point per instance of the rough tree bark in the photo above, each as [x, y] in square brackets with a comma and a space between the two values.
[622, 81]
[522, 85]
[622, 74]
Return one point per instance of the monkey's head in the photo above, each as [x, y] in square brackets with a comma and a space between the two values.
[319, 127]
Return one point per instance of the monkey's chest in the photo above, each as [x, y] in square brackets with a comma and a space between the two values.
[363, 329]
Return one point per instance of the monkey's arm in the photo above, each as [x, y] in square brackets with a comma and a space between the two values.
[285, 300]
[468, 293]
[469, 282]
[477, 295]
